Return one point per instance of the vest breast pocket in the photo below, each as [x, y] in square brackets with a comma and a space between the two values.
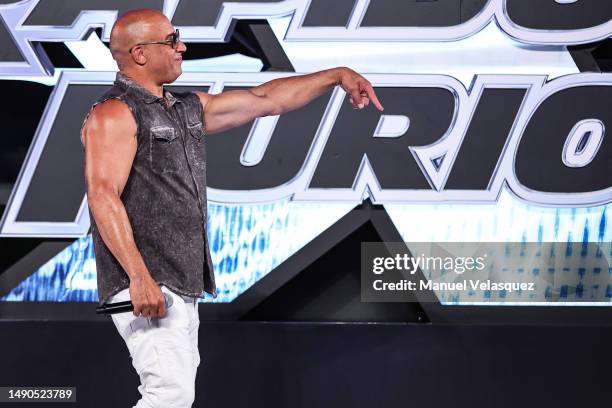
[166, 150]
[196, 130]
[196, 145]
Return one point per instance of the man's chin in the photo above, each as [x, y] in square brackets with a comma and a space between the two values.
[173, 77]
[177, 73]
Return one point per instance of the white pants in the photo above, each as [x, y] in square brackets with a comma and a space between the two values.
[164, 351]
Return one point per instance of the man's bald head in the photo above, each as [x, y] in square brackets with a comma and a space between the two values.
[134, 27]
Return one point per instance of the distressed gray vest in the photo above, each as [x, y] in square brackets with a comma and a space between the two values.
[165, 194]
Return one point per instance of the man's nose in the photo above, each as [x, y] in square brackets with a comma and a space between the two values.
[181, 47]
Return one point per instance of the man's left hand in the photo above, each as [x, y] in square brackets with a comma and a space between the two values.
[359, 89]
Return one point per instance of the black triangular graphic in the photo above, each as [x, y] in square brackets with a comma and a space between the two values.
[329, 290]
[321, 282]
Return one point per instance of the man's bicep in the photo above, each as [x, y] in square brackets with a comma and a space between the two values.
[110, 147]
[233, 108]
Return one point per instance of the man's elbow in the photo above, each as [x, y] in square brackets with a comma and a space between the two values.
[266, 105]
[102, 200]
[274, 108]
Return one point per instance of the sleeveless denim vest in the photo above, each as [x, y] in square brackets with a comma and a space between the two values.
[165, 194]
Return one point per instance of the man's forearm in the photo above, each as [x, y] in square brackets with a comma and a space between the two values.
[116, 231]
[296, 91]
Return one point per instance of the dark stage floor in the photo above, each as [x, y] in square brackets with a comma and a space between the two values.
[253, 364]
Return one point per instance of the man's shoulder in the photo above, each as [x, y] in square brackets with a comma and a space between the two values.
[109, 114]
[111, 109]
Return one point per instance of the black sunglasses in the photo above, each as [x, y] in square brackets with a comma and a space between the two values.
[175, 38]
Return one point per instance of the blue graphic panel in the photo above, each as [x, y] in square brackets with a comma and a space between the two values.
[511, 220]
[248, 241]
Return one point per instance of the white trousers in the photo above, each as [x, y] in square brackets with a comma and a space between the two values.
[164, 351]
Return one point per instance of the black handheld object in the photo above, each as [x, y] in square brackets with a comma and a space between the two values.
[122, 307]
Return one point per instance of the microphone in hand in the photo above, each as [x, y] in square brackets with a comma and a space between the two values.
[122, 307]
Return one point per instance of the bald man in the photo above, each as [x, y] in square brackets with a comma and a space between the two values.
[145, 168]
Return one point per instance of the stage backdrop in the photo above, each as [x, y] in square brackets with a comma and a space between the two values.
[495, 129]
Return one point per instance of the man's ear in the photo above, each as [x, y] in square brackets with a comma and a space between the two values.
[138, 55]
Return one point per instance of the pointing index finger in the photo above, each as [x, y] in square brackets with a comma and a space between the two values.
[374, 98]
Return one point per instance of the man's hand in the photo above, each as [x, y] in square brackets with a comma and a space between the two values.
[147, 297]
[359, 89]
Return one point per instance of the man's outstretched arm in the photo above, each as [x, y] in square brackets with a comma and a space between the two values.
[109, 138]
[234, 108]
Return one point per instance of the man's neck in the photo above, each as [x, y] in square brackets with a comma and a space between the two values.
[145, 82]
